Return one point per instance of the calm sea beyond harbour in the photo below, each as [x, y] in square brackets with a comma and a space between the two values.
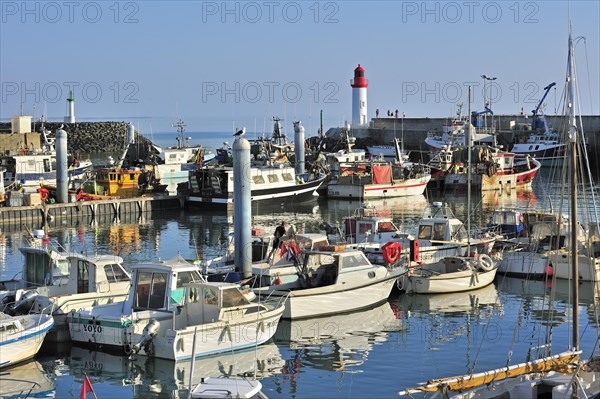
[368, 354]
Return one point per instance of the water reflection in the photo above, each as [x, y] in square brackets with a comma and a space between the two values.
[153, 377]
[339, 343]
[27, 380]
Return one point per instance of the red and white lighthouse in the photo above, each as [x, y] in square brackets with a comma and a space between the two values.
[359, 97]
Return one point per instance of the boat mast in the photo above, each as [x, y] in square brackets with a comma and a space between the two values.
[573, 177]
[469, 147]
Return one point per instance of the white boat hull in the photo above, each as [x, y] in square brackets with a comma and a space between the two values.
[398, 188]
[449, 282]
[334, 299]
[24, 344]
[589, 268]
[120, 333]
[523, 263]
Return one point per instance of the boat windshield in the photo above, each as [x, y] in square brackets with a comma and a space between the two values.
[191, 276]
[233, 297]
[150, 290]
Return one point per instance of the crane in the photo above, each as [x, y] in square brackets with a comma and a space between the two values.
[534, 123]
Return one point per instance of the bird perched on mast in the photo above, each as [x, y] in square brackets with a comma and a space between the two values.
[240, 133]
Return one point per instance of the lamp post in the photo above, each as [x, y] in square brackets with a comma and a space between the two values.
[485, 79]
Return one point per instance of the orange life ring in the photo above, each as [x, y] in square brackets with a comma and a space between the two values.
[391, 251]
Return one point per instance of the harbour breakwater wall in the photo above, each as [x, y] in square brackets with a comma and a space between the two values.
[83, 137]
[381, 131]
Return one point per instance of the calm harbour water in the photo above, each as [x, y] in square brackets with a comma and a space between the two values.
[373, 353]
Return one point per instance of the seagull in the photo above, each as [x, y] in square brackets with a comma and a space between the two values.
[240, 133]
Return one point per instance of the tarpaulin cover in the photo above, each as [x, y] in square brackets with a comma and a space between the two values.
[382, 174]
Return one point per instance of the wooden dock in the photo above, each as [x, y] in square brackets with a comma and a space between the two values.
[85, 212]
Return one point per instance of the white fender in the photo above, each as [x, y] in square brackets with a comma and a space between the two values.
[485, 263]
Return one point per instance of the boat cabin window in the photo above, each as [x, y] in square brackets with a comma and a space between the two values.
[364, 228]
[210, 296]
[273, 178]
[386, 227]
[258, 179]
[115, 273]
[233, 297]
[424, 232]
[438, 231]
[287, 176]
[36, 268]
[192, 276]
[150, 290]
[83, 277]
[354, 260]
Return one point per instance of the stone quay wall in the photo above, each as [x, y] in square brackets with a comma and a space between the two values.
[83, 137]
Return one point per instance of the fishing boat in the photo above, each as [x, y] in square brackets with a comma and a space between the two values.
[538, 140]
[213, 185]
[492, 168]
[377, 179]
[169, 305]
[324, 282]
[565, 373]
[174, 163]
[439, 234]
[56, 281]
[453, 132]
[451, 274]
[21, 337]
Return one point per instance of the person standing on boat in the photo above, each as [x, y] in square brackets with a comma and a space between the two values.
[280, 231]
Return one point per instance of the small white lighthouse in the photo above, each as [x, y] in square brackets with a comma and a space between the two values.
[70, 118]
[359, 97]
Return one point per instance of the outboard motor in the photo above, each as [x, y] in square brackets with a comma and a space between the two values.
[148, 335]
[24, 304]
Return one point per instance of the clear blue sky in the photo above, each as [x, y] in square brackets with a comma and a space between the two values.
[223, 64]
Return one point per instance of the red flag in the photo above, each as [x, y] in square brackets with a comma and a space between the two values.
[86, 387]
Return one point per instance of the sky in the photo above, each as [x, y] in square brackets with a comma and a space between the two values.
[223, 65]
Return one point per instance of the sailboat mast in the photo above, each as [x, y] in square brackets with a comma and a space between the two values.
[469, 147]
[573, 177]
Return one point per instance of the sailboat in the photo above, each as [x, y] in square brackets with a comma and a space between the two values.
[559, 374]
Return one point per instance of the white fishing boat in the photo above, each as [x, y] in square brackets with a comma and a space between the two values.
[451, 274]
[439, 234]
[176, 162]
[376, 179]
[324, 282]
[21, 337]
[228, 388]
[58, 282]
[453, 132]
[169, 304]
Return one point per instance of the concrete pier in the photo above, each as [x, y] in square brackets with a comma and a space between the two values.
[84, 212]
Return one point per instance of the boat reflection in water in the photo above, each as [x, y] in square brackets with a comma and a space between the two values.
[154, 377]
[400, 207]
[26, 380]
[476, 301]
[537, 294]
[340, 343]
